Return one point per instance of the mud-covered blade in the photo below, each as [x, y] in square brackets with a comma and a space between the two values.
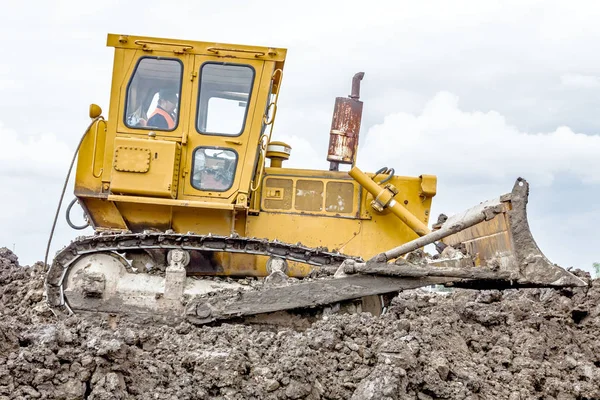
[303, 295]
[505, 243]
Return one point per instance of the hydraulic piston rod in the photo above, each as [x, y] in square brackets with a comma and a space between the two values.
[471, 217]
[384, 198]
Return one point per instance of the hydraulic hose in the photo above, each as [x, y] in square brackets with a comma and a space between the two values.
[68, 217]
[384, 170]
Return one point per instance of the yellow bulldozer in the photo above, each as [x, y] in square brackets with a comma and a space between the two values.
[196, 216]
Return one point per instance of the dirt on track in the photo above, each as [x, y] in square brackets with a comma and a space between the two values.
[525, 344]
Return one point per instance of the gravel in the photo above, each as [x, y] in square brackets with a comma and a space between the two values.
[525, 344]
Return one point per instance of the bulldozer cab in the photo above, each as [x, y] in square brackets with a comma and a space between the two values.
[204, 107]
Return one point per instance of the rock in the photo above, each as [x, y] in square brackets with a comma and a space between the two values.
[382, 382]
[441, 366]
[28, 390]
[114, 382]
[271, 385]
[73, 389]
[297, 390]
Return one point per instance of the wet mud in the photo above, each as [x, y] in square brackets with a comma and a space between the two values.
[514, 344]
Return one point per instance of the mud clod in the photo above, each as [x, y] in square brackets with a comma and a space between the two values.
[526, 344]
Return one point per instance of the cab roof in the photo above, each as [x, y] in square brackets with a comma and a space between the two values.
[179, 46]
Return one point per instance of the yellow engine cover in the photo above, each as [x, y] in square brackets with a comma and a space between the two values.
[145, 167]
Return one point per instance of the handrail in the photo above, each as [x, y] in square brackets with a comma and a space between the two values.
[261, 159]
[94, 153]
[257, 54]
[273, 104]
[143, 43]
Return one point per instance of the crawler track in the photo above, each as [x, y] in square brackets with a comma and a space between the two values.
[127, 242]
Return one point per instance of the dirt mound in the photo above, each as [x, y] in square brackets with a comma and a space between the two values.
[465, 345]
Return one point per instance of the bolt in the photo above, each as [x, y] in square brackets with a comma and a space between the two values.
[203, 311]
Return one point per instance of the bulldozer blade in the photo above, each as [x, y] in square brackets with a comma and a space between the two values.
[458, 272]
[303, 295]
[496, 236]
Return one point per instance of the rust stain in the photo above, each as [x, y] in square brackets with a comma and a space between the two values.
[345, 126]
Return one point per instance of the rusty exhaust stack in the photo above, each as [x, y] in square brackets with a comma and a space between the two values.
[345, 127]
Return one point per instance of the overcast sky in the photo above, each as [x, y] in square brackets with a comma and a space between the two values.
[475, 92]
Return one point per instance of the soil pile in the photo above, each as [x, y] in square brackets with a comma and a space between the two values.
[526, 344]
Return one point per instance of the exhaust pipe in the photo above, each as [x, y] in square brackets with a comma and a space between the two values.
[345, 127]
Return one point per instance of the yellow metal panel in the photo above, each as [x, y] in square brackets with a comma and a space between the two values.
[306, 195]
[132, 159]
[350, 236]
[339, 197]
[140, 217]
[178, 46]
[428, 185]
[309, 173]
[278, 194]
[90, 162]
[203, 221]
[104, 214]
[170, 202]
[313, 231]
[145, 167]
[309, 195]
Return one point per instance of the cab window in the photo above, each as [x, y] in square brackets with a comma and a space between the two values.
[153, 94]
[223, 99]
[213, 169]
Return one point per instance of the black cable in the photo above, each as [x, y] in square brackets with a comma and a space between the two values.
[62, 195]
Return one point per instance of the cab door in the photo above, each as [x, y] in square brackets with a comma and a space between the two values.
[228, 103]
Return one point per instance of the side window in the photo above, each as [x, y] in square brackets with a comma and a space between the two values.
[225, 91]
[154, 94]
[213, 169]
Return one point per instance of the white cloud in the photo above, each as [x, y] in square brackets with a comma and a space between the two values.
[477, 146]
[37, 156]
[304, 154]
[33, 169]
[580, 81]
